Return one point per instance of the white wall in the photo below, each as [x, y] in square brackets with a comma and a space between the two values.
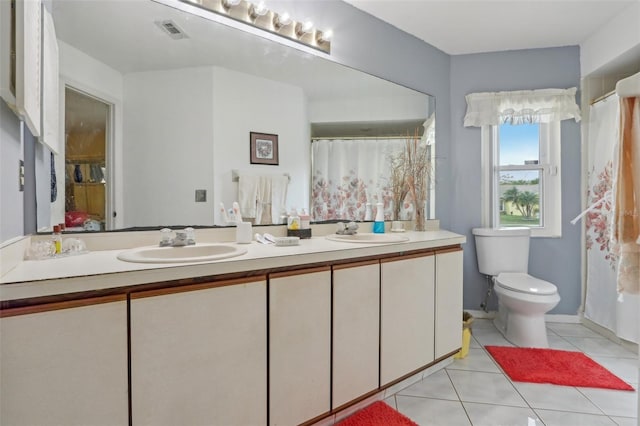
[85, 73]
[619, 37]
[369, 109]
[244, 104]
[168, 147]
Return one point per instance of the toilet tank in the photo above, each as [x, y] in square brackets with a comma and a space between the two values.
[502, 250]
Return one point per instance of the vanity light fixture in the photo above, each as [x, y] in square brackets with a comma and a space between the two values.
[257, 15]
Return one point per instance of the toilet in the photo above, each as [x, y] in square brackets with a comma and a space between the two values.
[503, 254]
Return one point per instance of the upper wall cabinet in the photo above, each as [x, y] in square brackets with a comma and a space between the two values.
[29, 67]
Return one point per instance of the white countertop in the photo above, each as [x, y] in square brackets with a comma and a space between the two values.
[102, 269]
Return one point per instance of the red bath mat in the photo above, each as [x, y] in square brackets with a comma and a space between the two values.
[377, 414]
[554, 366]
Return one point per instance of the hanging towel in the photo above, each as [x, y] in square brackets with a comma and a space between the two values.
[279, 185]
[247, 194]
[263, 200]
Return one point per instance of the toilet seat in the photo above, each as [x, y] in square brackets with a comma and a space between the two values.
[525, 283]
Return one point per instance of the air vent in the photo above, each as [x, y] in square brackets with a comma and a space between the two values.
[172, 29]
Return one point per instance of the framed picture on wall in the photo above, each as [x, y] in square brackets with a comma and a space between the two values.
[264, 148]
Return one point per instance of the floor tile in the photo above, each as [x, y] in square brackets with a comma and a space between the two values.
[437, 385]
[491, 337]
[600, 347]
[474, 343]
[433, 412]
[564, 418]
[613, 402]
[625, 368]
[557, 342]
[483, 387]
[480, 323]
[391, 402]
[476, 360]
[491, 415]
[552, 397]
[625, 421]
[573, 330]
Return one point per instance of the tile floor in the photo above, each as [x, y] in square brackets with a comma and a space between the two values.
[474, 391]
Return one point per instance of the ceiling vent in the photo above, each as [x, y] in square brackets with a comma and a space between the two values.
[172, 29]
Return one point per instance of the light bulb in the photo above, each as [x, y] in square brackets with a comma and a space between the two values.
[303, 28]
[325, 37]
[256, 10]
[281, 20]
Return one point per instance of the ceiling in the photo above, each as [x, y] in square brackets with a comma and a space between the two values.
[474, 26]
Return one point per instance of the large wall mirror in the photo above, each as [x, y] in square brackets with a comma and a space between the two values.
[160, 103]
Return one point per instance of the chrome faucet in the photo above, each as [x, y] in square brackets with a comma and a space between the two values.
[349, 229]
[181, 239]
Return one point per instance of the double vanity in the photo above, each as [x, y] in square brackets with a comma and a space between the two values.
[266, 335]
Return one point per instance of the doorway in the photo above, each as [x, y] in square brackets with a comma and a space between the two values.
[87, 124]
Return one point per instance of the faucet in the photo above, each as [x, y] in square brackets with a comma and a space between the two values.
[349, 229]
[182, 238]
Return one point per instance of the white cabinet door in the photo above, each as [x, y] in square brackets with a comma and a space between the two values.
[356, 330]
[407, 316]
[66, 366]
[299, 345]
[199, 357]
[448, 302]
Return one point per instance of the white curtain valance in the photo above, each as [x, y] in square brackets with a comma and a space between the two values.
[521, 107]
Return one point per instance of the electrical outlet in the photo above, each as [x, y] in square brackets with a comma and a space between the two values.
[201, 195]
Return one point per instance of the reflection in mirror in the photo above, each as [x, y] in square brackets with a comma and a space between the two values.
[182, 109]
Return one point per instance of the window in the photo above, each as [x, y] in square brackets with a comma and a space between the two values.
[521, 177]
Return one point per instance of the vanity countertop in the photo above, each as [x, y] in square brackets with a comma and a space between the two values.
[99, 270]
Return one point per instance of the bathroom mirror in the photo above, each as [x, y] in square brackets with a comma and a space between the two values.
[184, 94]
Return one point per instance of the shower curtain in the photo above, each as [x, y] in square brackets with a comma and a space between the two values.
[603, 305]
[348, 174]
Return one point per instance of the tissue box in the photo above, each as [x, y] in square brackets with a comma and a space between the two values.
[302, 233]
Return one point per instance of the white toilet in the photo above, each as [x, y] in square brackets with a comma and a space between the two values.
[503, 254]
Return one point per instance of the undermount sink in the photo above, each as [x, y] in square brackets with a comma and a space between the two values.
[368, 238]
[194, 253]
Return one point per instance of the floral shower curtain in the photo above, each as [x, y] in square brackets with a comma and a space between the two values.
[348, 173]
[603, 305]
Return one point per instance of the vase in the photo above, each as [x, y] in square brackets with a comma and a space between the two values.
[419, 220]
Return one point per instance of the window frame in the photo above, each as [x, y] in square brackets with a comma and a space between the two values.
[550, 178]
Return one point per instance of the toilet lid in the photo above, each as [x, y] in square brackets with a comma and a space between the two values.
[525, 283]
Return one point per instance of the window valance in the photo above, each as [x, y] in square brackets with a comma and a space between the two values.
[521, 107]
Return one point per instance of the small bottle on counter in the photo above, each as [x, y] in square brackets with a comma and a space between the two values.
[293, 221]
[305, 220]
[378, 224]
[57, 239]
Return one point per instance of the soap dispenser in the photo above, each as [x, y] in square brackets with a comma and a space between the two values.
[378, 223]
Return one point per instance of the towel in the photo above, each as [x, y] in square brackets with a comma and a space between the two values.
[279, 186]
[248, 194]
[263, 200]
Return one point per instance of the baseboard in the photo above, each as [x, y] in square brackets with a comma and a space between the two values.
[605, 332]
[482, 314]
[564, 318]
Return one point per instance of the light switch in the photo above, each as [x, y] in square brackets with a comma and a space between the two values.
[201, 195]
[21, 176]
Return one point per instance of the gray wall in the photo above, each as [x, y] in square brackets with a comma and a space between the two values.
[556, 260]
[11, 202]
